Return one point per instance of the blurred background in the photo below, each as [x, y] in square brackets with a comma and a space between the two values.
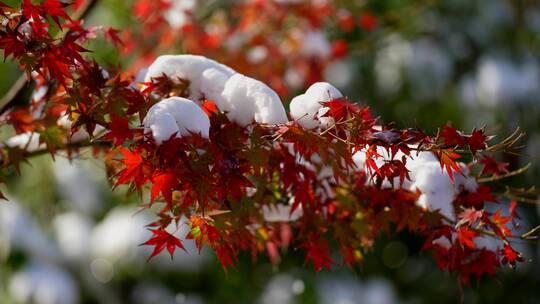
[66, 238]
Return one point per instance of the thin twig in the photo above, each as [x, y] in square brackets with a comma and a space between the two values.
[499, 177]
[527, 235]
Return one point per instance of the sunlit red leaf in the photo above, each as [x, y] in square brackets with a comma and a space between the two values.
[465, 237]
[448, 159]
[136, 169]
[161, 239]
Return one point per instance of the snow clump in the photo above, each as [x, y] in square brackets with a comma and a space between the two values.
[243, 99]
[176, 115]
[308, 108]
[246, 99]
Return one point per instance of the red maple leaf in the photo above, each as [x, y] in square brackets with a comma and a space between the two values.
[451, 136]
[111, 34]
[340, 108]
[318, 253]
[209, 107]
[56, 68]
[119, 130]
[161, 240]
[11, 43]
[55, 9]
[465, 236]
[136, 169]
[448, 159]
[500, 223]
[512, 209]
[476, 199]
[31, 11]
[484, 262]
[492, 166]
[477, 140]
[510, 256]
[225, 256]
[164, 183]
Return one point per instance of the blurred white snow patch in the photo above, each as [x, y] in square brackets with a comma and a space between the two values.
[182, 298]
[23, 233]
[176, 115]
[245, 100]
[177, 14]
[73, 230]
[43, 284]
[308, 108]
[150, 292]
[500, 81]
[379, 291]
[316, 44]
[490, 18]
[425, 65]
[28, 141]
[102, 270]
[118, 236]
[235, 41]
[390, 61]
[257, 54]
[339, 73]
[340, 290]
[293, 78]
[429, 68]
[77, 183]
[280, 290]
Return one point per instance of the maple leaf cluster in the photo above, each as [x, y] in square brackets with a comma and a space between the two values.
[227, 183]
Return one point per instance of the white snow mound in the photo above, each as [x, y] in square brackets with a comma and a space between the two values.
[176, 115]
[189, 67]
[244, 99]
[308, 108]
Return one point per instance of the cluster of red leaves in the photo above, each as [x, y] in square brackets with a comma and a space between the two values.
[232, 34]
[475, 141]
[223, 184]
